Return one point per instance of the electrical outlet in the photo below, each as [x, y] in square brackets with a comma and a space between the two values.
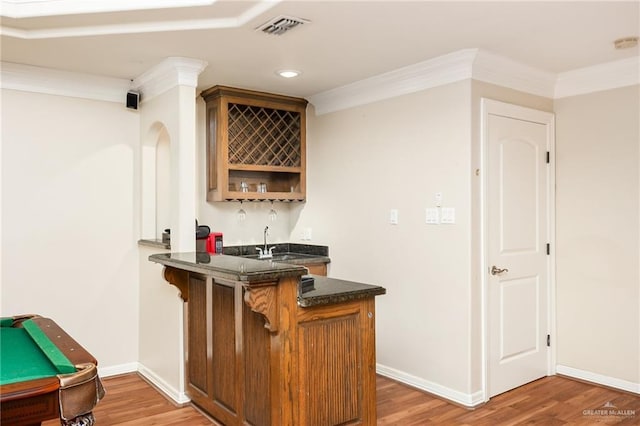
[432, 216]
[448, 215]
[306, 234]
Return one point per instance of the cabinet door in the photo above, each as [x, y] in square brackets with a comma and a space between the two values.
[336, 353]
[257, 372]
[212, 367]
[198, 386]
[317, 269]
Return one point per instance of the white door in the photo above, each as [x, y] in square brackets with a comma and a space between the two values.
[517, 229]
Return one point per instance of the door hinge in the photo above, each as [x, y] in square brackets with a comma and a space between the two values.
[548, 157]
[548, 340]
[548, 249]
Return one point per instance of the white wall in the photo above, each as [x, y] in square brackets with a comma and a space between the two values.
[598, 230]
[396, 154]
[69, 218]
[161, 351]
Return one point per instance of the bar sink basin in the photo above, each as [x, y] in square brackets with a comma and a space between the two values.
[281, 257]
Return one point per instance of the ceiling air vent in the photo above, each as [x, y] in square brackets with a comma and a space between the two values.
[281, 24]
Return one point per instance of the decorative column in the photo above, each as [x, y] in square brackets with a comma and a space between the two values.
[168, 99]
[167, 111]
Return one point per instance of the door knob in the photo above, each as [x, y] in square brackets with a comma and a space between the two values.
[497, 271]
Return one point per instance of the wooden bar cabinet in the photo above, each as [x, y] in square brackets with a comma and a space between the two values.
[258, 352]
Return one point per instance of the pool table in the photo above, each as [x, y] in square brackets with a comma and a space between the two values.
[45, 374]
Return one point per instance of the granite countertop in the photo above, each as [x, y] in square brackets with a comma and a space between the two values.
[291, 253]
[325, 291]
[229, 267]
[328, 291]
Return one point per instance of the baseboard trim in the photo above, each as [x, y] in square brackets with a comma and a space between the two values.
[176, 395]
[115, 370]
[457, 397]
[600, 379]
[134, 367]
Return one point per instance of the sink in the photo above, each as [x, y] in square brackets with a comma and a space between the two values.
[281, 257]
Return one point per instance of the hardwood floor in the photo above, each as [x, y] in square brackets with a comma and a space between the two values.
[551, 401]
[131, 401]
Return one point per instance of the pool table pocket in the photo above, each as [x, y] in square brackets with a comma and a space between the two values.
[80, 391]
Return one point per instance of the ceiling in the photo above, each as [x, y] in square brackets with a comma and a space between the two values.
[345, 41]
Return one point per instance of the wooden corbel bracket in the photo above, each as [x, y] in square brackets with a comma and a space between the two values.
[264, 300]
[179, 278]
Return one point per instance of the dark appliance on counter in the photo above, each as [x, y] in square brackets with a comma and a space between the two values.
[202, 238]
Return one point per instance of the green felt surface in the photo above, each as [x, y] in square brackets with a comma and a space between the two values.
[6, 322]
[50, 350]
[20, 357]
[26, 353]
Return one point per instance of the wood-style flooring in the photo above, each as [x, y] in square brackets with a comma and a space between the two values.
[549, 401]
[131, 401]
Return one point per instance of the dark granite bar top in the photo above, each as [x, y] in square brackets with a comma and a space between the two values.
[325, 291]
[292, 253]
[328, 291]
[229, 267]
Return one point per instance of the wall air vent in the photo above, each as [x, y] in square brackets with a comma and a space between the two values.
[281, 24]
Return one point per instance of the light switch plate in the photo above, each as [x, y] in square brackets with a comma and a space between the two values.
[438, 199]
[432, 216]
[393, 216]
[448, 215]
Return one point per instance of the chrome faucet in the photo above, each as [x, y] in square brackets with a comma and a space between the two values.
[266, 252]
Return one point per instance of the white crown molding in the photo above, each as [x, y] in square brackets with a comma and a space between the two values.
[114, 29]
[496, 69]
[167, 74]
[483, 66]
[37, 8]
[171, 72]
[28, 78]
[435, 72]
[141, 27]
[460, 65]
[611, 75]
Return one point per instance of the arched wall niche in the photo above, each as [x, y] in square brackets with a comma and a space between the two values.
[156, 181]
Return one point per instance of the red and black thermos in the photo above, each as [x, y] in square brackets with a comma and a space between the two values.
[214, 243]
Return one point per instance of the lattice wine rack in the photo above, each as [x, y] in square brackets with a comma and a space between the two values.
[255, 145]
[263, 136]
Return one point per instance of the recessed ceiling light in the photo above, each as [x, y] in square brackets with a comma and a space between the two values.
[288, 73]
[626, 42]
